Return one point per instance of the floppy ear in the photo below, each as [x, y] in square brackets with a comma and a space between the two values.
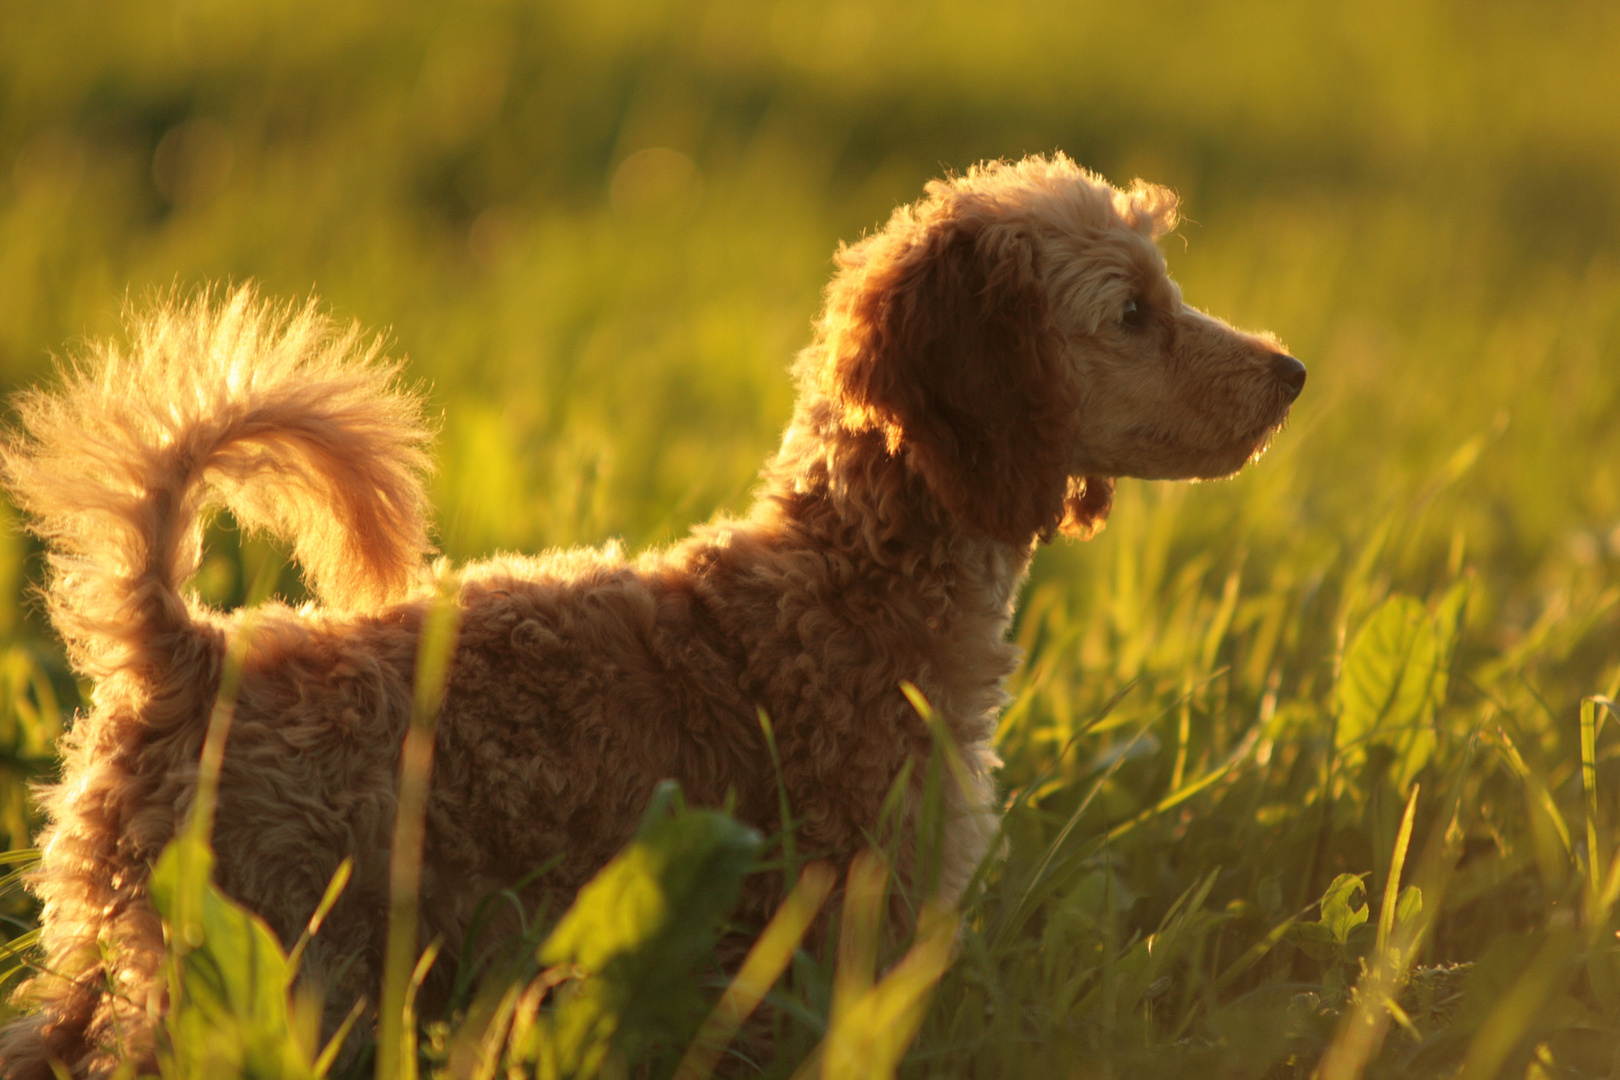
[944, 346]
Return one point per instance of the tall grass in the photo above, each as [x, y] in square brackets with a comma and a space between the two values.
[1312, 771]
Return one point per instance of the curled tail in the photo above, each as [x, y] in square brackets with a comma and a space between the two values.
[297, 425]
[290, 419]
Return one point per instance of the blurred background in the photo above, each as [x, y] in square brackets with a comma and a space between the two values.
[599, 233]
[599, 230]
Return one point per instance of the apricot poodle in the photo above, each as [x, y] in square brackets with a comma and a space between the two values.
[985, 365]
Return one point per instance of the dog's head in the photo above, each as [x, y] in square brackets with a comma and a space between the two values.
[1016, 339]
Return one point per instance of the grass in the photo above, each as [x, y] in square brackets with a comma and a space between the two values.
[1308, 772]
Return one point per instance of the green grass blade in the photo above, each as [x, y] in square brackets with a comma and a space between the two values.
[435, 650]
[764, 964]
[334, 889]
[1397, 861]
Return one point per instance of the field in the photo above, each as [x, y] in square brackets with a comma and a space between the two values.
[1310, 772]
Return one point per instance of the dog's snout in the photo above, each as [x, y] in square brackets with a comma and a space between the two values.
[1290, 371]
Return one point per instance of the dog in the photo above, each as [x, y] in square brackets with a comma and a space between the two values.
[985, 365]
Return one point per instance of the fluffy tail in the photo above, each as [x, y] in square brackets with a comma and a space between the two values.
[292, 420]
[297, 425]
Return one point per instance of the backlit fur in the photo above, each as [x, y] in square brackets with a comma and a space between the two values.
[975, 383]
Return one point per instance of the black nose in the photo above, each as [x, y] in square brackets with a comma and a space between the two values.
[1290, 371]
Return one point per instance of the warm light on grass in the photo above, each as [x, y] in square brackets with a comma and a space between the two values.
[1308, 772]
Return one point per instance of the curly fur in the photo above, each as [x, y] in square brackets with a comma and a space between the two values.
[985, 365]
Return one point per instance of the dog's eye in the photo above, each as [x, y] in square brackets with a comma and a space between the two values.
[1134, 315]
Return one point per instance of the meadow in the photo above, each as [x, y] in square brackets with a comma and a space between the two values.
[1312, 772]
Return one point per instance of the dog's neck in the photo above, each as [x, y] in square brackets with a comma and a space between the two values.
[840, 490]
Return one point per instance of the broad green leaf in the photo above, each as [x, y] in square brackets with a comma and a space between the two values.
[228, 1013]
[1409, 906]
[636, 930]
[1388, 672]
[1394, 679]
[1339, 914]
[766, 961]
